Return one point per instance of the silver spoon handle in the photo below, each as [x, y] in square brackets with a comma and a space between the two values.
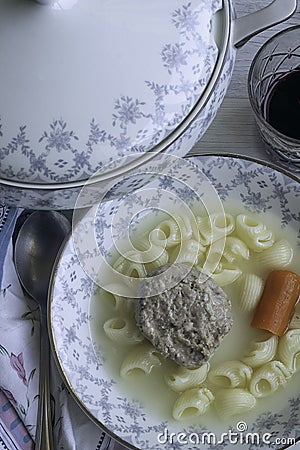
[44, 436]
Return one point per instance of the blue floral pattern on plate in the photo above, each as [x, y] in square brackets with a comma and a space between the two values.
[258, 188]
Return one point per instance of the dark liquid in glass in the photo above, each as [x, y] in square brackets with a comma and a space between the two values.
[281, 107]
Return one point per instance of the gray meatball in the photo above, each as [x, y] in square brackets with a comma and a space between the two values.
[188, 321]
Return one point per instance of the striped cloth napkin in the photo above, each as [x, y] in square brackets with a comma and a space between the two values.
[19, 368]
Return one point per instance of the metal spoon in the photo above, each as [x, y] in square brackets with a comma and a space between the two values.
[36, 248]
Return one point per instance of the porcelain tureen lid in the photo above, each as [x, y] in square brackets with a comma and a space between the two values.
[84, 82]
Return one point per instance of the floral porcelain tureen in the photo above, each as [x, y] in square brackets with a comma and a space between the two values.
[85, 83]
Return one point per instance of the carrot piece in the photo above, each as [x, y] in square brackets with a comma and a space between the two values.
[277, 303]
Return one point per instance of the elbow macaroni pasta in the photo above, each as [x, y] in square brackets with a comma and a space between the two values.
[131, 265]
[182, 378]
[223, 253]
[267, 379]
[254, 233]
[172, 231]
[226, 276]
[188, 227]
[231, 402]
[251, 290]
[215, 227]
[230, 374]
[143, 358]
[187, 253]
[122, 331]
[153, 255]
[235, 249]
[295, 321]
[289, 350]
[262, 352]
[276, 257]
[192, 403]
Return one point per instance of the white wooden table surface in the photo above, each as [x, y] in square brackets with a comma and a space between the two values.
[234, 129]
